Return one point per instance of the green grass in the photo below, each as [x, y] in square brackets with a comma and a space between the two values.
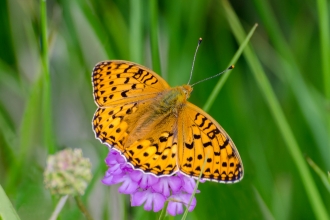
[275, 103]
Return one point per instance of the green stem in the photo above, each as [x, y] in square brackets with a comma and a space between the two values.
[195, 189]
[163, 213]
[47, 115]
[59, 207]
[82, 207]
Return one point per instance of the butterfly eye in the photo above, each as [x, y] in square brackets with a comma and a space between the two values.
[185, 92]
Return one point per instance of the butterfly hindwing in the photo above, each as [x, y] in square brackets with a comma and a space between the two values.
[156, 151]
[203, 137]
[124, 128]
[117, 82]
[110, 126]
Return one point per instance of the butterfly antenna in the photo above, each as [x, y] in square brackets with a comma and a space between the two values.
[229, 68]
[193, 64]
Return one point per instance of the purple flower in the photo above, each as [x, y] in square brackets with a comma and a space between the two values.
[147, 189]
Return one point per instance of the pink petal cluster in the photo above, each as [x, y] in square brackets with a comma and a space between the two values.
[147, 189]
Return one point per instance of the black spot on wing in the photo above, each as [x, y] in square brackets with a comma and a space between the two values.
[144, 76]
[150, 78]
[224, 144]
[128, 68]
[207, 144]
[189, 146]
[123, 93]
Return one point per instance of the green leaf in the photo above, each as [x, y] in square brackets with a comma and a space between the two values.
[7, 211]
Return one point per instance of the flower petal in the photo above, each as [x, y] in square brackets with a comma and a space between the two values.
[111, 179]
[115, 169]
[148, 205]
[165, 184]
[188, 184]
[128, 186]
[111, 158]
[148, 180]
[152, 200]
[120, 158]
[186, 198]
[143, 179]
[174, 208]
[158, 200]
[136, 175]
[175, 183]
[138, 198]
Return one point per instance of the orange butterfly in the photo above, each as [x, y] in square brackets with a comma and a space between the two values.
[156, 128]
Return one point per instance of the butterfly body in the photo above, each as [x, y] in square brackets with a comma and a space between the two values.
[171, 100]
[156, 128]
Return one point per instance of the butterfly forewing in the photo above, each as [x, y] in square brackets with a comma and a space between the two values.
[203, 137]
[118, 82]
[120, 89]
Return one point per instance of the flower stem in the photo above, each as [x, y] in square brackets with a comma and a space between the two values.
[163, 213]
[59, 207]
[82, 207]
[195, 189]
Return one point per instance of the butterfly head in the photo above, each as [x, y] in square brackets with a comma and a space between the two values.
[186, 89]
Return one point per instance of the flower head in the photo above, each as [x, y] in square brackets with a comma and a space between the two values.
[67, 172]
[147, 189]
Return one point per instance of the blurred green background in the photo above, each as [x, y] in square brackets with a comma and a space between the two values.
[42, 113]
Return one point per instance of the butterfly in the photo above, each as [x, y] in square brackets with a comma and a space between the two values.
[156, 129]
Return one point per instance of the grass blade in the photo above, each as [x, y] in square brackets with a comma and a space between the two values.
[136, 27]
[269, 95]
[154, 36]
[322, 175]
[47, 113]
[223, 79]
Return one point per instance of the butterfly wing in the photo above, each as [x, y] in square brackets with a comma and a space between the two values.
[203, 137]
[124, 92]
[145, 147]
[118, 82]
[156, 150]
